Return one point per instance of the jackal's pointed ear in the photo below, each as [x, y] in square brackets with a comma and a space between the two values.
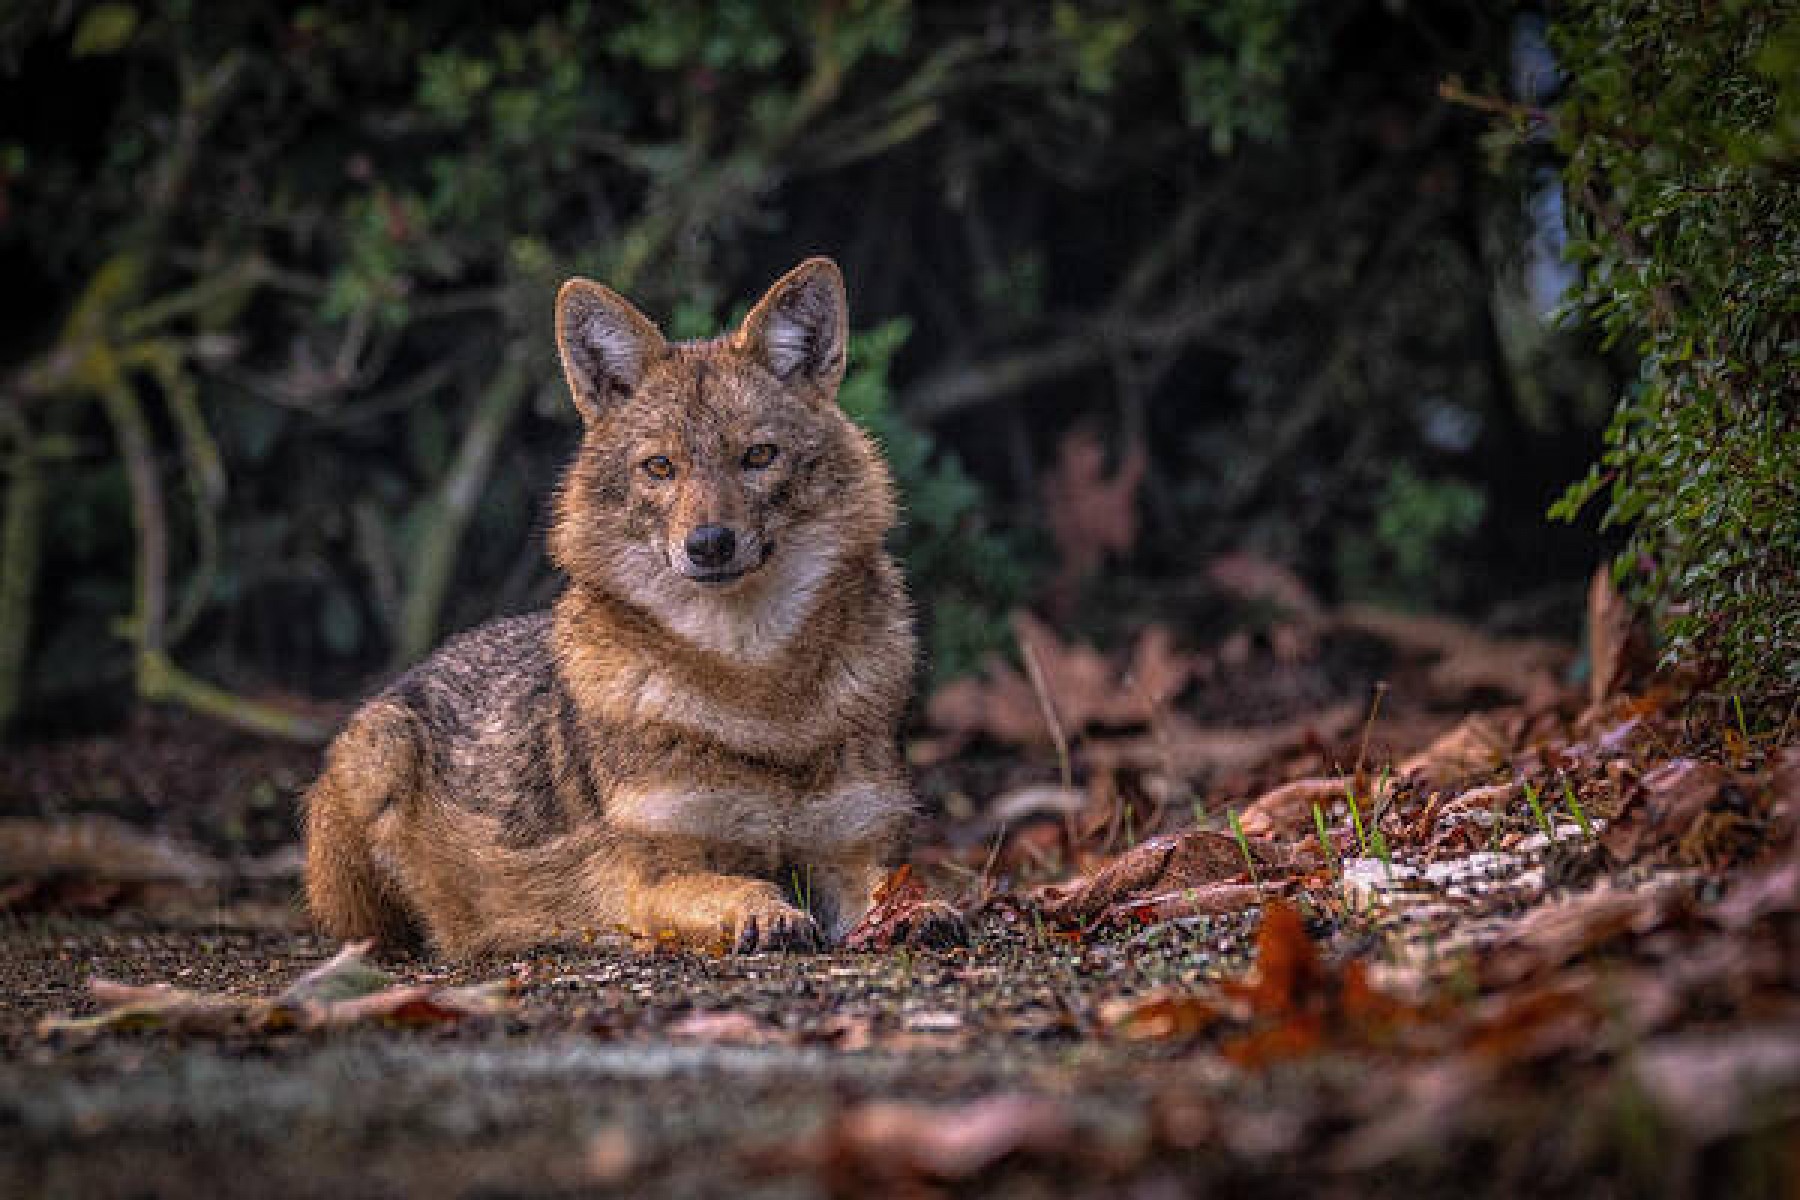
[800, 328]
[605, 345]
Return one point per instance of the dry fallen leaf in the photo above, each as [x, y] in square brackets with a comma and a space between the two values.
[1183, 747]
[1470, 753]
[1167, 863]
[1000, 704]
[1563, 930]
[1288, 810]
[1709, 1083]
[1252, 578]
[896, 1142]
[1669, 808]
[1162, 1017]
[1463, 660]
[611, 1157]
[1156, 674]
[94, 864]
[904, 914]
[1609, 630]
[1200, 900]
[1298, 1003]
[1090, 514]
[129, 1008]
[727, 1027]
[1774, 889]
[1037, 800]
[1083, 688]
[1287, 963]
[342, 992]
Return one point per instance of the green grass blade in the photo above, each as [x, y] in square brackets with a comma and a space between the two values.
[1362, 838]
[1537, 810]
[1237, 831]
[1331, 859]
[1575, 809]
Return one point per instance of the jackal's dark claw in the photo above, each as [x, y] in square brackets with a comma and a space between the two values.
[779, 931]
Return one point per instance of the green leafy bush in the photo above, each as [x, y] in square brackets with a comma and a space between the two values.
[1681, 127]
[966, 573]
[1407, 555]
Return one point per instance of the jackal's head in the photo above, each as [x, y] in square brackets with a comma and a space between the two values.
[719, 487]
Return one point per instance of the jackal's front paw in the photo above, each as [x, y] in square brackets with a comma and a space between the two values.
[775, 925]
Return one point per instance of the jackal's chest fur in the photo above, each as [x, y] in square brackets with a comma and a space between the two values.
[789, 754]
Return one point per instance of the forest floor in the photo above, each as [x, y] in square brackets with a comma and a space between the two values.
[1241, 918]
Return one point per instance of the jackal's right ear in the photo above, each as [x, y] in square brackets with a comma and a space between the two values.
[800, 327]
[605, 345]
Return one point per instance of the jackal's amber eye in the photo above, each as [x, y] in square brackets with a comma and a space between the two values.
[657, 466]
[759, 456]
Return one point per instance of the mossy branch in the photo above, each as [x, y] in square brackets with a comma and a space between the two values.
[160, 680]
[434, 562]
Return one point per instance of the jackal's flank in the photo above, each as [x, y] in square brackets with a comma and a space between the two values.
[699, 740]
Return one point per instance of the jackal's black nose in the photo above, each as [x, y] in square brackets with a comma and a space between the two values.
[711, 546]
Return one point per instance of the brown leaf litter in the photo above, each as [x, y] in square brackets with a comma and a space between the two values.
[340, 993]
[1160, 871]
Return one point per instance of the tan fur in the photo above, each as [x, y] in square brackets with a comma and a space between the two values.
[660, 754]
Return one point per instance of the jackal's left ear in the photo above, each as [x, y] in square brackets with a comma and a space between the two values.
[799, 329]
[604, 343]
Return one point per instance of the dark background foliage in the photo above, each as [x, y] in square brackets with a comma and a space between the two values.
[282, 406]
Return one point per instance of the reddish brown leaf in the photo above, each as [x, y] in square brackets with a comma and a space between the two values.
[1091, 515]
[1609, 629]
[1287, 811]
[896, 1142]
[1181, 746]
[1193, 858]
[1470, 753]
[1531, 1022]
[1463, 660]
[1158, 673]
[1562, 931]
[342, 992]
[1080, 684]
[1287, 963]
[412, 1007]
[1165, 1017]
[1252, 578]
[732, 1028]
[1710, 1083]
[1668, 810]
[1773, 889]
[1299, 1004]
[1082, 688]
[1001, 704]
[904, 914]
[1203, 900]
[1296, 1035]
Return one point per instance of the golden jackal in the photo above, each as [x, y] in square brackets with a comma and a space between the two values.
[699, 740]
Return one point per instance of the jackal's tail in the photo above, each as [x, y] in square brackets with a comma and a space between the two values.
[372, 765]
